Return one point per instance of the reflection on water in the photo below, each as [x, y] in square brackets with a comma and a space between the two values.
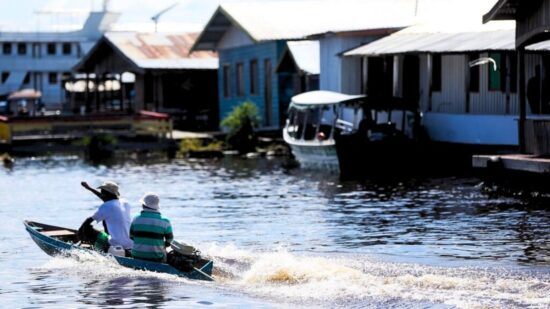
[282, 237]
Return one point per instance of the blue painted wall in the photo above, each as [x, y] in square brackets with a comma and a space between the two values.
[245, 54]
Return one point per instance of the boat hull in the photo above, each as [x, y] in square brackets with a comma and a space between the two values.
[318, 155]
[322, 157]
[53, 246]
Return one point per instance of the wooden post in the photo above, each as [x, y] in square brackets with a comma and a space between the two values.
[522, 100]
[508, 80]
[429, 63]
[87, 94]
[467, 78]
[96, 92]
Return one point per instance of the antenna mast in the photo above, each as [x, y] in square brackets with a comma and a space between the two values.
[106, 5]
[156, 18]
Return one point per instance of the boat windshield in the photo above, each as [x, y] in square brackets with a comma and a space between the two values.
[312, 123]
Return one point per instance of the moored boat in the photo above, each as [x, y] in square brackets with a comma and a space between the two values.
[310, 127]
[55, 240]
[385, 141]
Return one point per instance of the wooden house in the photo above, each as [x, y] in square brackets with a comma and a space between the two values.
[251, 39]
[533, 28]
[462, 75]
[148, 71]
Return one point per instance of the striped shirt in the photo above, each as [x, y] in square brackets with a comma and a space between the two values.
[151, 233]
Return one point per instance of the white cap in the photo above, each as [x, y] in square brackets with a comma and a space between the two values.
[150, 200]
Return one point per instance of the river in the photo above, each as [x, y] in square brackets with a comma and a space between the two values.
[281, 239]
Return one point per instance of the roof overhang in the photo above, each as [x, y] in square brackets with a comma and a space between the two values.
[215, 29]
[355, 33]
[82, 65]
[420, 40]
[502, 10]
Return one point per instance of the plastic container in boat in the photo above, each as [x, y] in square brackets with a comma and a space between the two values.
[117, 251]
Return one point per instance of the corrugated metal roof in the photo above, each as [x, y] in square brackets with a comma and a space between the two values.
[438, 38]
[162, 50]
[541, 46]
[294, 20]
[306, 55]
[265, 21]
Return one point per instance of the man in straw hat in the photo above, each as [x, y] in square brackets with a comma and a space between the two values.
[115, 215]
[151, 231]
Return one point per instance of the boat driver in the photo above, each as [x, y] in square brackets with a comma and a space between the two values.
[115, 215]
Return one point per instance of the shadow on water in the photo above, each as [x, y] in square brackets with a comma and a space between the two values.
[448, 217]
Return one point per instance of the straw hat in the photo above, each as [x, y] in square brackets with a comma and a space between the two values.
[150, 200]
[111, 187]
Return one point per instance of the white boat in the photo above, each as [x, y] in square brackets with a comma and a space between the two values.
[311, 125]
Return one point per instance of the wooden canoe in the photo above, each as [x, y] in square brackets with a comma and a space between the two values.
[55, 240]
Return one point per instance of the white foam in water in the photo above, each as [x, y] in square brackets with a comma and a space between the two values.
[282, 275]
[286, 276]
[94, 265]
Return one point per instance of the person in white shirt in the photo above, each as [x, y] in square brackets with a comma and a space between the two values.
[114, 213]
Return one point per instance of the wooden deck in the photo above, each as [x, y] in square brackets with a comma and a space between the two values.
[514, 162]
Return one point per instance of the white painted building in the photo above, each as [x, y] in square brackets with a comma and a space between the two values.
[41, 60]
[463, 102]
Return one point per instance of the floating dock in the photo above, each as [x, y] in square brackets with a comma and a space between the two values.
[514, 163]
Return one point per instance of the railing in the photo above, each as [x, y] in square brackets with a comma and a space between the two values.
[26, 128]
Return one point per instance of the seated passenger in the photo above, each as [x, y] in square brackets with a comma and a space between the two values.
[150, 231]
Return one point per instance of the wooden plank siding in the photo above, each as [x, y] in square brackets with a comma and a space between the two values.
[339, 73]
[245, 54]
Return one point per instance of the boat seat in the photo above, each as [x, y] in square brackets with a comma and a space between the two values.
[59, 233]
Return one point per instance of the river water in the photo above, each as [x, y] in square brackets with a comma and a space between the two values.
[281, 239]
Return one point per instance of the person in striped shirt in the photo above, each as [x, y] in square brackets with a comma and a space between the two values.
[151, 231]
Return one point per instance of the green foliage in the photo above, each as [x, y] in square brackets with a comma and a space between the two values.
[241, 123]
[195, 144]
[240, 114]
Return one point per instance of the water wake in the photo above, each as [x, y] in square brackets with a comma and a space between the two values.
[336, 280]
[331, 281]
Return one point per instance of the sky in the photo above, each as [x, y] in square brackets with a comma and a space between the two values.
[22, 15]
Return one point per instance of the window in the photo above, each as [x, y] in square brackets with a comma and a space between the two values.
[21, 49]
[6, 48]
[51, 49]
[497, 78]
[67, 48]
[226, 81]
[436, 72]
[254, 77]
[52, 78]
[5, 76]
[27, 79]
[240, 80]
[474, 74]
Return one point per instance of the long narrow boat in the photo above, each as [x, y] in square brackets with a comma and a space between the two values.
[55, 240]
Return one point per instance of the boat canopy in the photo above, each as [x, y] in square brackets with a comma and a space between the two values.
[314, 99]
